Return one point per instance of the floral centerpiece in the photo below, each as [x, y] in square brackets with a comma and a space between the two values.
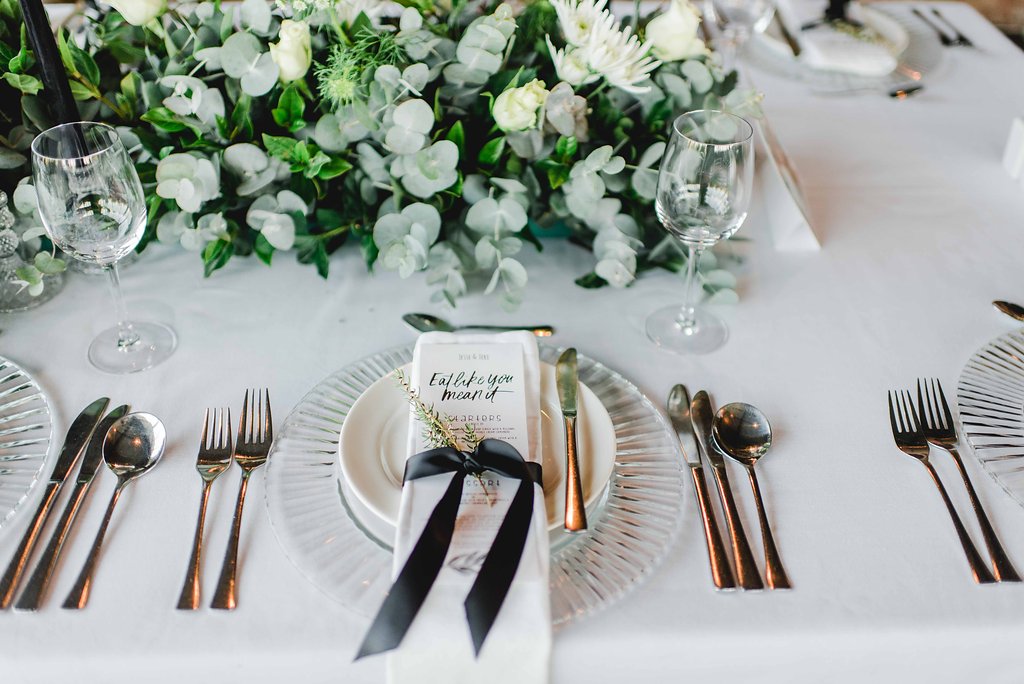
[438, 136]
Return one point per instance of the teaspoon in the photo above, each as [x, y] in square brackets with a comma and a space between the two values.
[743, 433]
[133, 445]
[427, 323]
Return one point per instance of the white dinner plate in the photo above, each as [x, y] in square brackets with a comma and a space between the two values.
[375, 440]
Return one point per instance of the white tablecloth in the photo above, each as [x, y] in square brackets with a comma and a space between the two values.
[921, 230]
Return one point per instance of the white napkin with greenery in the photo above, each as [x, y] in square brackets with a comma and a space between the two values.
[833, 49]
[438, 646]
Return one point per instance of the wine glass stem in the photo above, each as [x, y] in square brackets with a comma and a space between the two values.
[687, 319]
[126, 335]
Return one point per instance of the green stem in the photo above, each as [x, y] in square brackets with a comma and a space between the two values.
[336, 231]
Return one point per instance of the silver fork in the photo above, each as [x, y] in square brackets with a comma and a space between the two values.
[255, 435]
[939, 430]
[911, 441]
[214, 458]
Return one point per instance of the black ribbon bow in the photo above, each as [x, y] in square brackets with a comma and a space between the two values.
[410, 588]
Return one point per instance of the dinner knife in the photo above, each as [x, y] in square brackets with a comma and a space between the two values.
[794, 46]
[702, 416]
[31, 598]
[567, 380]
[679, 413]
[74, 444]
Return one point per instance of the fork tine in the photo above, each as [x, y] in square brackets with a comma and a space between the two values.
[241, 421]
[268, 426]
[227, 430]
[915, 421]
[257, 427]
[921, 405]
[206, 422]
[945, 407]
[933, 405]
[892, 417]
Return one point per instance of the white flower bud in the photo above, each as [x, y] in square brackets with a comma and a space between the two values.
[293, 53]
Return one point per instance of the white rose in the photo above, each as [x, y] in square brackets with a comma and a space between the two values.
[293, 53]
[139, 12]
[673, 33]
[516, 108]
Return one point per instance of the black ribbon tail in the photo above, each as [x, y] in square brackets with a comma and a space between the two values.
[492, 583]
[417, 576]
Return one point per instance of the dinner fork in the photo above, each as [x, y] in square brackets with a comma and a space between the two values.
[255, 435]
[214, 458]
[943, 38]
[939, 430]
[958, 37]
[911, 441]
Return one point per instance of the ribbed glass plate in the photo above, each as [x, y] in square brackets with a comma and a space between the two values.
[991, 398]
[629, 532]
[26, 430]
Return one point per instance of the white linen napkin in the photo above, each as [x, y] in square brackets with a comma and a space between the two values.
[438, 646]
[823, 47]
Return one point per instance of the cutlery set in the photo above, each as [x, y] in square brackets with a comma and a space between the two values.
[948, 34]
[741, 432]
[915, 430]
[130, 444]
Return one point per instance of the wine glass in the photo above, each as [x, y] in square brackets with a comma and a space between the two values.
[92, 206]
[737, 20]
[704, 188]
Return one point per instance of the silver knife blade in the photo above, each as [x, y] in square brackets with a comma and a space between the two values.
[567, 380]
[679, 414]
[77, 438]
[94, 452]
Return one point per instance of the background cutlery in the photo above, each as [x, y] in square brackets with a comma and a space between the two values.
[255, 435]
[744, 434]
[132, 446]
[427, 323]
[568, 385]
[1015, 311]
[911, 441]
[214, 458]
[32, 597]
[702, 415]
[958, 37]
[939, 430]
[679, 413]
[74, 444]
[900, 92]
[943, 38]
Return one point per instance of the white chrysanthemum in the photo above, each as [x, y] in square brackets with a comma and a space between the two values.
[578, 18]
[619, 56]
[571, 65]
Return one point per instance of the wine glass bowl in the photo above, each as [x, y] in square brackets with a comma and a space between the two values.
[737, 20]
[703, 192]
[93, 207]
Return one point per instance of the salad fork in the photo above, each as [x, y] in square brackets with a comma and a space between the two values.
[214, 458]
[939, 430]
[911, 441]
[252, 445]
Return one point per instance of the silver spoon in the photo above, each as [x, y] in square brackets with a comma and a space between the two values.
[743, 432]
[133, 445]
[1015, 311]
[427, 323]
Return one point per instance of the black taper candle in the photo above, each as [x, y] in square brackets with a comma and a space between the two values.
[55, 80]
[836, 10]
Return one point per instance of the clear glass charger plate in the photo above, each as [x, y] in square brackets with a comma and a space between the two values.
[630, 530]
[26, 430]
[922, 56]
[991, 416]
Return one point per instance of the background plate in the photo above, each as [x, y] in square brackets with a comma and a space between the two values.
[26, 430]
[629, 533]
[991, 398]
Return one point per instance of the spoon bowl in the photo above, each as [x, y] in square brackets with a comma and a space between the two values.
[743, 432]
[134, 444]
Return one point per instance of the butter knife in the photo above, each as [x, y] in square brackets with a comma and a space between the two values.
[567, 380]
[74, 444]
[702, 415]
[679, 413]
[32, 597]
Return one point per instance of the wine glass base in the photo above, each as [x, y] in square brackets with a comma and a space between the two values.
[156, 342]
[709, 333]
